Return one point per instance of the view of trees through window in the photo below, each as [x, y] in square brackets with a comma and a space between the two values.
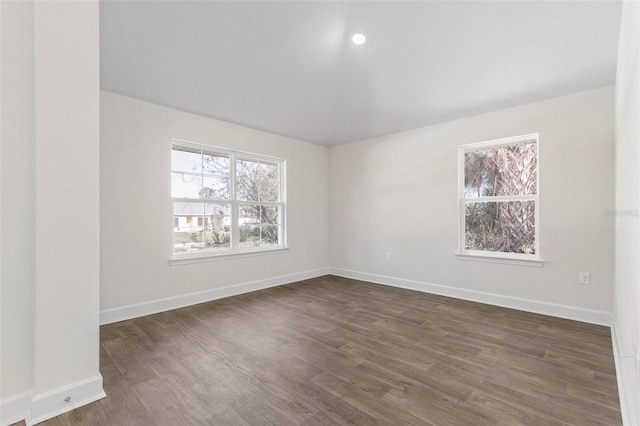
[258, 185]
[224, 201]
[500, 195]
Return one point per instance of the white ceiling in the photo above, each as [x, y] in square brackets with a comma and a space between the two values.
[289, 67]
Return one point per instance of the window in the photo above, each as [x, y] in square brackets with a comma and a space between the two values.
[499, 209]
[237, 200]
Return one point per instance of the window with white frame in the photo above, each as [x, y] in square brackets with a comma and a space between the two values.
[225, 201]
[498, 194]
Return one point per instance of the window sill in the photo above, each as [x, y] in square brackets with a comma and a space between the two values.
[534, 263]
[210, 257]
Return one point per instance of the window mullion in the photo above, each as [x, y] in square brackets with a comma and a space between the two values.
[235, 208]
[500, 198]
[259, 194]
[261, 209]
[204, 206]
[280, 225]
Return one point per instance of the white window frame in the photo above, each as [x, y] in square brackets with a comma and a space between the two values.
[235, 249]
[519, 258]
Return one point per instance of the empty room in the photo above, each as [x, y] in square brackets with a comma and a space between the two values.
[319, 212]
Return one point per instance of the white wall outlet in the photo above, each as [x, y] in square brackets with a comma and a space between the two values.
[388, 256]
[584, 278]
[303, 252]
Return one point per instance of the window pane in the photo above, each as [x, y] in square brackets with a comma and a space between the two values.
[270, 235]
[217, 230]
[268, 182]
[215, 188]
[247, 173]
[249, 214]
[507, 227]
[250, 236]
[184, 185]
[216, 170]
[188, 235]
[185, 159]
[501, 170]
[218, 213]
[215, 164]
[269, 215]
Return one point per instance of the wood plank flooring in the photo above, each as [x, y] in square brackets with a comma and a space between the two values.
[334, 351]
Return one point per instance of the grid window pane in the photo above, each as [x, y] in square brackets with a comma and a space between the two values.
[250, 236]
[268, 182]
[188, 237]
[249, 214]
[215, 164]
[269, 215]
[216, 176]
[501, 170]
[507, 227]
[215, 188]
[185, 185]
[270, 235]
[247, 173]
[217, 232]
[184, 159]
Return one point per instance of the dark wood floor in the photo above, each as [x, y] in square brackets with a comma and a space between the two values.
[336, 351]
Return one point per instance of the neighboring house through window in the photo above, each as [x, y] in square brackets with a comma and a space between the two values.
[237, 200]
[498, 196]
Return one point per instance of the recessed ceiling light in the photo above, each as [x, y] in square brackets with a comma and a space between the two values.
[359, 38]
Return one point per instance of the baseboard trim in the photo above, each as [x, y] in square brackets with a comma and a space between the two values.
[15, 409]
[34, 409]
[544, 308]
[109, 316]
[47, 405]
[624, 369]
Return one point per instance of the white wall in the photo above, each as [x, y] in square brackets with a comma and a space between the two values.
[67, 197]
[136, 216]
[17, 203]
[50, 208]
[627, 265]
[398, 193]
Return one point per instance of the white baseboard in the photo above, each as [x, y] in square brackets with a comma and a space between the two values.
[545, 308]
[52, 403]
[109, 316]
[625, 373]
[44, 406]
[15, 409]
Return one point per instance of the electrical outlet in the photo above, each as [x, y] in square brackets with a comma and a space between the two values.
[584, 278]
[388, 257]
[303, 252]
